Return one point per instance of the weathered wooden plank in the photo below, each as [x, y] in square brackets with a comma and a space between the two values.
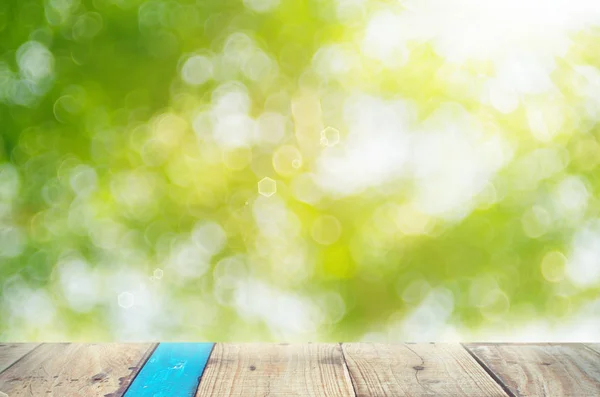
[10, 353]
[275, 370]
[75, 370]
[594, 346]
[173, 370]
[543, 369]
[425, 369]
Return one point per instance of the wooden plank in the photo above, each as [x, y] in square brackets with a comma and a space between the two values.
[10, 353]
[173, 370]
[594, 346]
[75, 370]
[542, 369]
[425, 369]
[276, 370]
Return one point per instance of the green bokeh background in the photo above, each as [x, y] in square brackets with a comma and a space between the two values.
[123, 217]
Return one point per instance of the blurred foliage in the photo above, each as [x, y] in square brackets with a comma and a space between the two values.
[410, 195]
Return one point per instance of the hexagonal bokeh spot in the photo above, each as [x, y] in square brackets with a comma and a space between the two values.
[267, 187]
[158, 274]
[330, 136]
[126, 300]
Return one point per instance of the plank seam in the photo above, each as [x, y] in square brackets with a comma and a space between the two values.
[22, 357]
[590, 348]
[347, 370]
[212, 349]
[145, 359]
[489, 371]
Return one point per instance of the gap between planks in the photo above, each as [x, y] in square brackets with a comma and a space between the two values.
[123, 390]
[424, 369]
[490, 372]
[347, 371]
[75, 370]
[11, 353]
[543, 369]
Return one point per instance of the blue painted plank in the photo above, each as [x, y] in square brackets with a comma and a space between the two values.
[173, 370]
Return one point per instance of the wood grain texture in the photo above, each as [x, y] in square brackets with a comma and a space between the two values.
[75, 370]
[594, 346]
[417, 370]
[173, 370]
[10, 353]
[276, 370]
[543, 369]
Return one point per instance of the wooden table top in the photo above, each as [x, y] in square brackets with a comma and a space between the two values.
[311, 369]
